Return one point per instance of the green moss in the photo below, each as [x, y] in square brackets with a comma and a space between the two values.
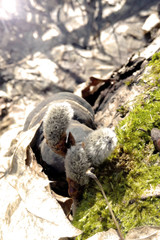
[123, 110]
[153, 77]
[129, 82]
[133, 168]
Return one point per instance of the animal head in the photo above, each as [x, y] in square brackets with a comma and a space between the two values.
[55, 124]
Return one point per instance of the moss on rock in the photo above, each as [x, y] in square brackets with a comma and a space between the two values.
[133, 168]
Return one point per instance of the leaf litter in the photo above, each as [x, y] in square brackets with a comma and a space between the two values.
[30, 210]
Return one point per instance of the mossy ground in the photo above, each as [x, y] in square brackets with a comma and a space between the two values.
[133, 168]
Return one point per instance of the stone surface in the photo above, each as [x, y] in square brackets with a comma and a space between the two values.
[146, 232]
[151, 22]
[111, 234]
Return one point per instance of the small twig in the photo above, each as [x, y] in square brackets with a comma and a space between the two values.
[4, 174]
[93, 176]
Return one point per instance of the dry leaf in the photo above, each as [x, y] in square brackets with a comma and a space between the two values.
[145, 233]
[65, 203]
[92, 85]
[19, 159]
[111, 234]
[18, 223]
[30, 210]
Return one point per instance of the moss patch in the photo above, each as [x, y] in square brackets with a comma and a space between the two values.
[132, 169]
[153, 77]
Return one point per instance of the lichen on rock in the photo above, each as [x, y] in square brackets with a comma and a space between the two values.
[131, 170]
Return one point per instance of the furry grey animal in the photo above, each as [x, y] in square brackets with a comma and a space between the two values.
[55, 124]
[68, 132]
[95, 149]
[99, 145]
[76, 164]
[75, 119]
